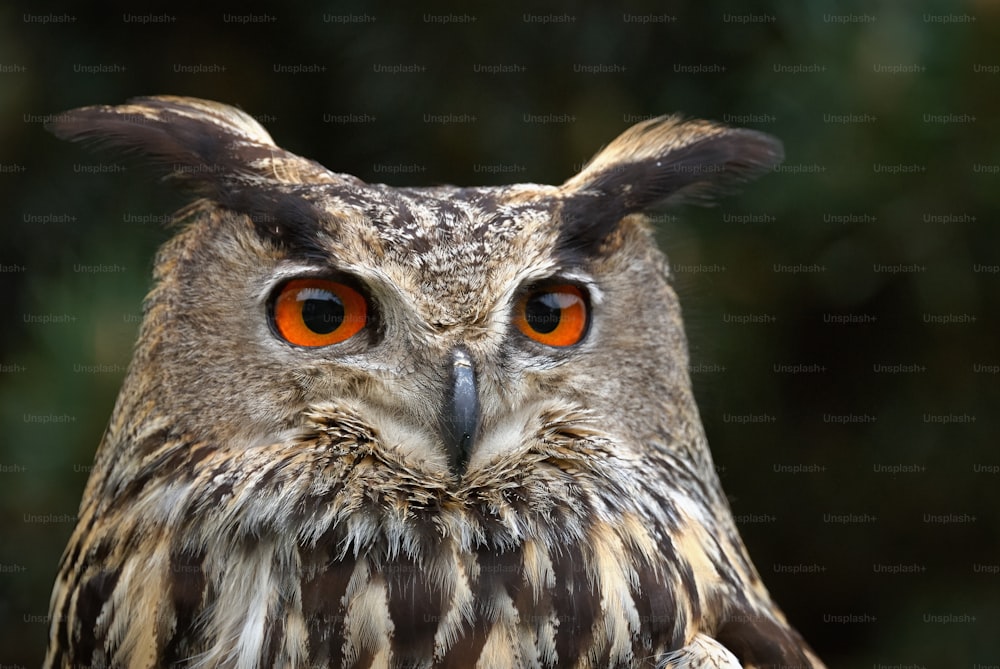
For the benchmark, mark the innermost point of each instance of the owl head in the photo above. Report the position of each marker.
(449, 317)
(479, 381)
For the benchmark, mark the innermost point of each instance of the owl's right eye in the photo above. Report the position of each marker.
(318, 312)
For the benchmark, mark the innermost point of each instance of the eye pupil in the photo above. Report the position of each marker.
(323, 316)
(543, 313)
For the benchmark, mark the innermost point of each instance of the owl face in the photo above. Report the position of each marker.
(351, 404)
(454, 316)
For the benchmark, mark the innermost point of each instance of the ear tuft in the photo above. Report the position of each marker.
(202, 144)
(661, 162)
(217, 151)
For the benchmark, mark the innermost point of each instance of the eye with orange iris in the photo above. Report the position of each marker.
(318, 312)
(555, 315)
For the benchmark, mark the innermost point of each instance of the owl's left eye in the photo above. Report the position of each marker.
(318, 312)
(555, 315)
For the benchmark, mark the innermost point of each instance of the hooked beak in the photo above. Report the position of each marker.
(459, 420)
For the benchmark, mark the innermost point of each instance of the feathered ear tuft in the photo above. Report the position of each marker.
(660, 162)
(217, 151)
(198, 142)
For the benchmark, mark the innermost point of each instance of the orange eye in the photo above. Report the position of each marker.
(318, 312)
(554, 315)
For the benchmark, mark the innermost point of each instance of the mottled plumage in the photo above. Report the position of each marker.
(441, 488)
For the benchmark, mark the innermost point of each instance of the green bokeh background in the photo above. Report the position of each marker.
(792, 70)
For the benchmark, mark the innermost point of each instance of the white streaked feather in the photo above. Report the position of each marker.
(703, 652)
(615, 579)
(245, 602)
(368, 623)
(502, 648)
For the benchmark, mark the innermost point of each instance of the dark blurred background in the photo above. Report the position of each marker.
(843, 311)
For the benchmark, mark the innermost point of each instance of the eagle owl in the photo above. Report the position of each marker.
(369, 426)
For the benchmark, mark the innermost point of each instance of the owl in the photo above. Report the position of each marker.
(370, 426)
